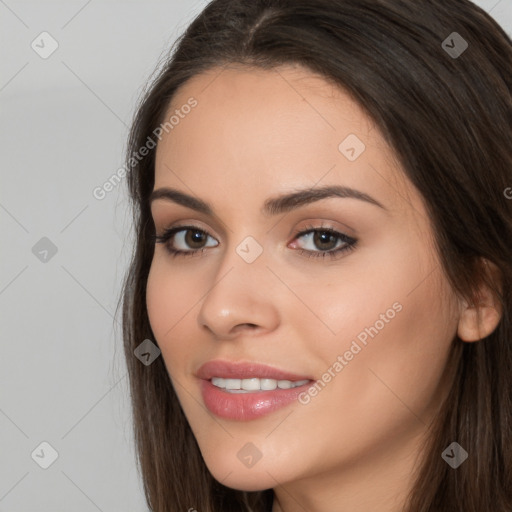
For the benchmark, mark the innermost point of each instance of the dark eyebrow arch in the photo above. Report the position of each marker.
(272, 206)
(288, 202)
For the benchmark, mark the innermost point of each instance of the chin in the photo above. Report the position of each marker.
(236, 476)
(248, 482)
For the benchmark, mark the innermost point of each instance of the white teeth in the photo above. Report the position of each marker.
(268, 384)
(251, 384)
(219, 382)
(254, 384)
(232, 383)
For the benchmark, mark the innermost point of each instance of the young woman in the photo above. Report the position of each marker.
(322, 198)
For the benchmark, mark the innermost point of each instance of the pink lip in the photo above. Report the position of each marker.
(246, 406)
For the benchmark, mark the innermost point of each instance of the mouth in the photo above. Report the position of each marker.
(245, 391)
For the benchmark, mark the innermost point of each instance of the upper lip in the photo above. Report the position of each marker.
(245, 370)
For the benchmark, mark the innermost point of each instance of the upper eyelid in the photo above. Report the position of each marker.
(316, 205)
(345, 229)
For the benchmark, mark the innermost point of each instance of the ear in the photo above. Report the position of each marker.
(477, 321)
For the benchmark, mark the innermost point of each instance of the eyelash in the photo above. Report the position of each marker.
(349, 241)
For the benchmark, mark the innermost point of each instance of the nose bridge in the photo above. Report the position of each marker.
(238, 294)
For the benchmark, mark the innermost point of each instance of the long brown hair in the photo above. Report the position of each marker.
(448, 117)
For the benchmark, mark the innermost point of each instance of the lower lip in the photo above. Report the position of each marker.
(247, 406)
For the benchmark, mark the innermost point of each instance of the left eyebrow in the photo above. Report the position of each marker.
(285, 203)
(273, 206)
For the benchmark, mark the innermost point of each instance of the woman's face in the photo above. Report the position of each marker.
(372, 323)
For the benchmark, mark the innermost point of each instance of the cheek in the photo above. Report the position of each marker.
(159, 303)
(170, 296)
(170, 293)
(394, 287)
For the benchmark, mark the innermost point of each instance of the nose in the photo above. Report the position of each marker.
(239, 299)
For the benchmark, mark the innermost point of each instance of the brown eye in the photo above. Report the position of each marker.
(323, 242)
(184, 240)
(195, 238)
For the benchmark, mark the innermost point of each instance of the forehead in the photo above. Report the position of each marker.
(290, 103)
(253, 130)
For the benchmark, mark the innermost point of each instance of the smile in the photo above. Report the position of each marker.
(254, 384)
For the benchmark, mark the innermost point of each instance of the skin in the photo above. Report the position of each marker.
(257, 134)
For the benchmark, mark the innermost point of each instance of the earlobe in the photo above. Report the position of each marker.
(479, 320)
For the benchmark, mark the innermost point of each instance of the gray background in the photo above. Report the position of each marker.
(63, 127)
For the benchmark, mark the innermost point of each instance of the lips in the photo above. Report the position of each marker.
(247, 406)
